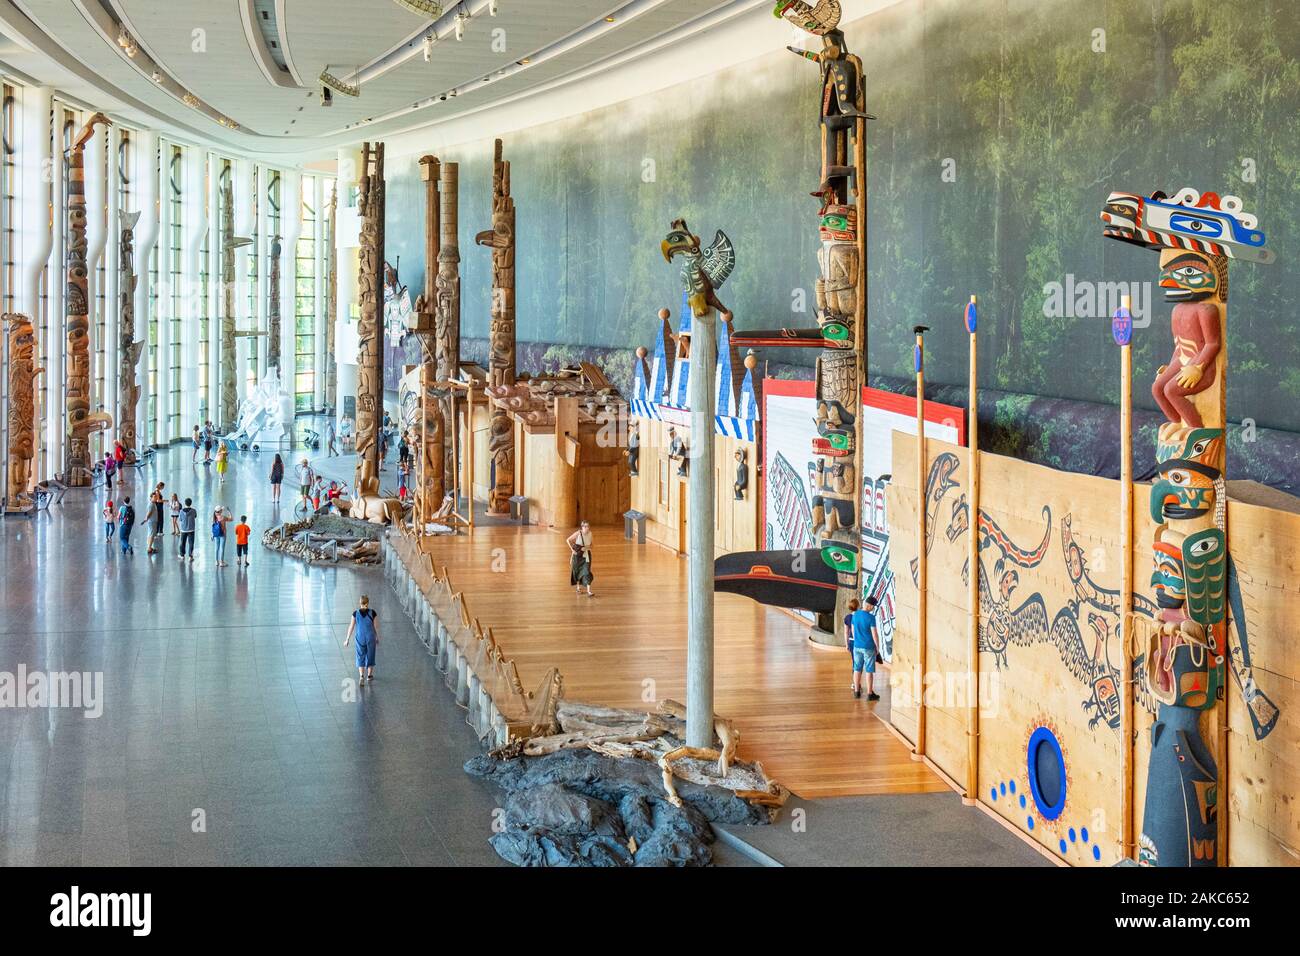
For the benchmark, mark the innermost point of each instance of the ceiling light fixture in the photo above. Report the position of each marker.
(156, 76)
(190, 100)
(462, 18)
(422, 8)
(126, 42)
(492, 8)
(428, 47)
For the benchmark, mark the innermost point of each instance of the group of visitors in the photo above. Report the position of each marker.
(120, 520)
(862, 637)
(205, 439)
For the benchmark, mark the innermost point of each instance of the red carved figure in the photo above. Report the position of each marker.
(1193, 281)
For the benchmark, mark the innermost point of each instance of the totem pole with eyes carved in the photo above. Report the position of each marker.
(501, 341)
(82, 423)
(1186, 647)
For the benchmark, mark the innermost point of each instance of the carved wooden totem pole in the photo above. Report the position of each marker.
(370, 329)
(1187, 646)
(273, 310)
(332, 301)
(431, 437)
(81, 422)
(229, 243)
(22, 409)
(447, 312)
(501, 344)
(128, 348)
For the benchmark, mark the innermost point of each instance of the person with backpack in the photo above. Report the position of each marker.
(866, 640)
(125, 522)
(110, 520)
(188, 517)
(365, 627)
(220, 517)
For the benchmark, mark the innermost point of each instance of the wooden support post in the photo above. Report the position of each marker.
(921, 582)
(1122, 330)
(974, 568)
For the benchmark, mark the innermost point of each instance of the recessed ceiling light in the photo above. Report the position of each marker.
(609, 19)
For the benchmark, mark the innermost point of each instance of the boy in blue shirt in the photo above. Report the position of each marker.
(865, 641)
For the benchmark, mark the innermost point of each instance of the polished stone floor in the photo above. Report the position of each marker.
(229, 704)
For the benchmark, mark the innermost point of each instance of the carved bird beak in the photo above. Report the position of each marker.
(667, 251)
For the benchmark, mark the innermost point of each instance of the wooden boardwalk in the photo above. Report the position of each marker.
(626, 647)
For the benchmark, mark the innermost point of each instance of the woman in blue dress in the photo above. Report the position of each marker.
(365, 628)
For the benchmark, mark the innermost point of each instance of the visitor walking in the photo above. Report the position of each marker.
(188, 517)
(866, 639)
(223, 454)
(365, 627)
(198, 444)
(580, 575)
(403, 478)
(242, 533)
(110, 468)
(110, 520)
(848, 633)
(157, 504)
(277, 476)
(345, 431)
(330, 450)
(306, 479)
(119, 458)
(220, 518)
(207, 442)
(175, 506)
(125, 522)
(403, 450)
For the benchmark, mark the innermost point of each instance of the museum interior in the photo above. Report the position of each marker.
(722, 433)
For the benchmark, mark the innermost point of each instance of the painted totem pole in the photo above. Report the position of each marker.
(370, 329)
(229, 243)
(841, 336)
(81, 422)
(273, 309)
(432, 424)
(128, 348)
(22, 409)
(501, 365)
(332, 300)
(1187, 645)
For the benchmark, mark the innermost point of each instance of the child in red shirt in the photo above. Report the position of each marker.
(242, 532)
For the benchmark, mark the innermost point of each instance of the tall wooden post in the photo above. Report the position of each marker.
(974, 568)
(82, 423)
(432, 423)
(447, 291)
(370, 329)
(128, 349)
(922, 584)
(1122, 331)
(273, 312)
(501, 345)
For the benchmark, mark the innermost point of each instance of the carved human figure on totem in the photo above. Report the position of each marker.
(501, 331)
(22, 399)
(1198, 283)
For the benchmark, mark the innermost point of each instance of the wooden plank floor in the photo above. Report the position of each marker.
(626, 647)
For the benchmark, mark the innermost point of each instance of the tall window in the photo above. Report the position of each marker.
(151, 276)
(205, 357)
(305, 305)
(254, 253)
(176, 246)
(7, 176)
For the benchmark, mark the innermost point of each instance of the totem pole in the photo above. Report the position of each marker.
(370, 329)
(128, 348)
(447, 312)
(432, 438)
(229, 243)
(273, 310)
(22, 409)
(501, 345)
(826, 583)
(1187, 645)
(331, 304)
(81, 422)
(703, 272)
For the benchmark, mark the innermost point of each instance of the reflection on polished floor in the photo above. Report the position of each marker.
(224, 707)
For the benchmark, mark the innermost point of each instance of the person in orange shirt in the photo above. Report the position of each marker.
(242, 531)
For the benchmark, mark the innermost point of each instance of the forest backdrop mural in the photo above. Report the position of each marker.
(1002, 125)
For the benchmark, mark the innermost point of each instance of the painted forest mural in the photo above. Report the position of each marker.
(1002, 125)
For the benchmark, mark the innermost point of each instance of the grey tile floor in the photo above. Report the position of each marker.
(224, 701)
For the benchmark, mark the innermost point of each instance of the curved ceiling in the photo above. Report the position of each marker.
(243, 73)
